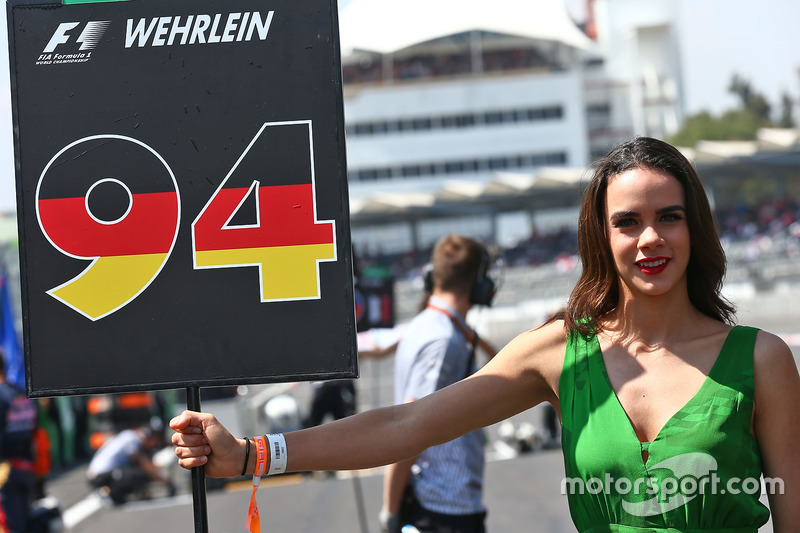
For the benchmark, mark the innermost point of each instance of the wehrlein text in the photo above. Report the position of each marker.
(198, 29)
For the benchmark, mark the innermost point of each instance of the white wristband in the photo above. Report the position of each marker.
(277, 451)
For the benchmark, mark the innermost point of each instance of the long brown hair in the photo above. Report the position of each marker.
(597, 290)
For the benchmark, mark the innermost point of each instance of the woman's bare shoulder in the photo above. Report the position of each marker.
(772, 357)
(549, 335)
(541, 349)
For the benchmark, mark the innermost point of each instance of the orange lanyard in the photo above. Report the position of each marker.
(469, 335)
(253, 522)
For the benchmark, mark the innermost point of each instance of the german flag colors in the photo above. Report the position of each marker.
(128, 235)
(273, 227)
(126, 222)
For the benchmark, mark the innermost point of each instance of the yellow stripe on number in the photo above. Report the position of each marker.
(287, 272)
(109, 283)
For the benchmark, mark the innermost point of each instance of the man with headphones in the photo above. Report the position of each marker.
(441, 490)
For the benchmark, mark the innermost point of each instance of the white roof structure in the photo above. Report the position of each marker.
(768, 140)
(776, 151)
(548, 187)
(386, 26)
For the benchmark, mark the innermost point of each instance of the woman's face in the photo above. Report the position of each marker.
(647, 231)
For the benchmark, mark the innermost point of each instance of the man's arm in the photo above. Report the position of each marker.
(395, 480)
(152, 470)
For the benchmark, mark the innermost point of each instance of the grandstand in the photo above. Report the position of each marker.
(754, 188)
(454, 108)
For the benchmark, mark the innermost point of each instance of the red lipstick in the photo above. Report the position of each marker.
(653, 265)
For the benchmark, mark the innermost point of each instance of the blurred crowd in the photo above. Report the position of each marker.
(436, 65)
(769, 227)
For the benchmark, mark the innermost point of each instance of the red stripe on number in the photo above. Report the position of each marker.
(149, 227)
(286, 219)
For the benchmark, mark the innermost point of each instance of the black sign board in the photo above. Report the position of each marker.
(181, 192)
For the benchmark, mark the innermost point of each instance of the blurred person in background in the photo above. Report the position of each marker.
(18, 417)
(442, 488)
(123, 465)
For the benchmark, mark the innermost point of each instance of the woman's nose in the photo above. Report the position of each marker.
(649, 237)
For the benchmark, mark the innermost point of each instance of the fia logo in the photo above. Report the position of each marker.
(68, 32)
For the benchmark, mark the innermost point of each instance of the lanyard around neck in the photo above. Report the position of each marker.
(469, 334)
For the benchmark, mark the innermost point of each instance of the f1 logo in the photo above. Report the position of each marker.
(88, 38)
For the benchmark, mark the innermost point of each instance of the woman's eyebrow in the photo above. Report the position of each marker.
(660, 211)
(669, 209)
(624, 214)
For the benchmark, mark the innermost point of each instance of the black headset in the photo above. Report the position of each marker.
(484, 288)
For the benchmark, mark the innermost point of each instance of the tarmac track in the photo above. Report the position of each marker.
(523, 495)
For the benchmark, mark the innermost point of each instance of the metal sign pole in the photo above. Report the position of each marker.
(362, 514)
(198, 473)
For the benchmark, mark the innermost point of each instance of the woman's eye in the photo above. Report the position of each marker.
(624, 222)
(671, 217)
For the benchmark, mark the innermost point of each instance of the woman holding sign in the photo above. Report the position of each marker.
(670, 413)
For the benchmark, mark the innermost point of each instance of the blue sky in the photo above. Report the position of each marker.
(758, 40)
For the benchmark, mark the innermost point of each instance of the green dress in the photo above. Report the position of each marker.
(702, 471)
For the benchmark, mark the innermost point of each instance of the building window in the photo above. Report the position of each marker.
(461, 166)
(462, 120)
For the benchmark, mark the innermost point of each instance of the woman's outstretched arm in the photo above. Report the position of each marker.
(523, 374)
